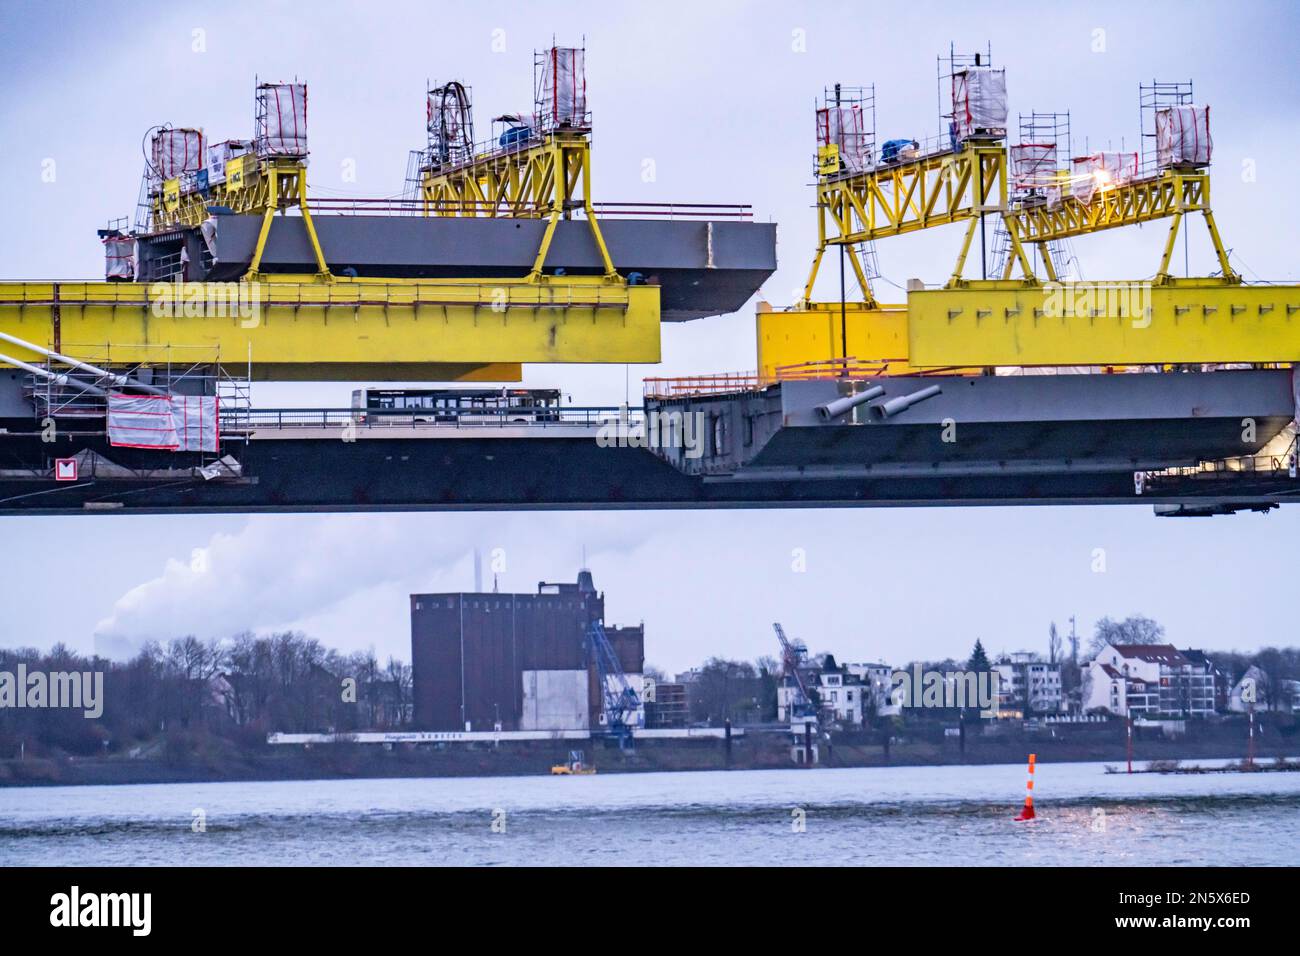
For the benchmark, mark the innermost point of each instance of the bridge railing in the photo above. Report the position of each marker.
(541, 417)
(351, 206)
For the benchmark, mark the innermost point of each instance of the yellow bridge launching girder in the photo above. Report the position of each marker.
(252, 187)
(546, 178)
(993, 323)
(1118, 323)
(295, 327)
(937, 189)
(1170, 195)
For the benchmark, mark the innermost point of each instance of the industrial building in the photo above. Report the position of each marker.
(528, 662)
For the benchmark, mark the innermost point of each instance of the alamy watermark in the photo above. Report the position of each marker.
(927, 688)
(82, 690)
(1099, 300)
(235, 300)
(671, 429)
(129, 910)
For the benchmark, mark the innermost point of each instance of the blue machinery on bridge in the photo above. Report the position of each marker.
(1023, 385)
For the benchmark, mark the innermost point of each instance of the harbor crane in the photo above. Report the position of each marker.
(621, 702)
(792, 656)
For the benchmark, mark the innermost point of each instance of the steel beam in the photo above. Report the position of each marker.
(328, 329)
(1105, 323)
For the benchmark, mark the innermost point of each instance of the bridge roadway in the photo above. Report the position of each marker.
(321, 461)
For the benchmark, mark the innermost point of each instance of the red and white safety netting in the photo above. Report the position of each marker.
(176, 151)
(563, 94)
(284, 106)
(843, 126)
(1093, 174)
(163, 422)
(119, 257)
(1033, 165)
(979, 102)
(1183, 136)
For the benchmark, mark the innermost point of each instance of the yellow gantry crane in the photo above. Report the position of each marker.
(965, 176)
(534, 167)
(259, 177)
(331, 326)
(904, 196)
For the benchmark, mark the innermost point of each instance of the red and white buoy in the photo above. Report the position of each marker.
(1027, 813)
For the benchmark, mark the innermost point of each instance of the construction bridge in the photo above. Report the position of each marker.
(1024, 385)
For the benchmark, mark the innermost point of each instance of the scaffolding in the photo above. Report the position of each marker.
(60, 389)
(846, 144)
(846, 129)
(1040, 170)
(947, 69)
(1152, 98)
(560, 89)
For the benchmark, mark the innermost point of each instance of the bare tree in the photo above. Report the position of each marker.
(1135, 629)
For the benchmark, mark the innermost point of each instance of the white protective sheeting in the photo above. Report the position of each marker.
(220, 153)
(176, 152)
(167, 423)
(208, 230)
(196, 421)
(1033, 166)
(979, 102)
(843, 126)
(119, 258)
(1092, 174)
(1183, 136)
(564, 88)
(284, 106)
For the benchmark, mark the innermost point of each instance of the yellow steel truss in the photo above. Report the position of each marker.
(547, 178)
(252, 187)
(1170, 195)
(891, 200)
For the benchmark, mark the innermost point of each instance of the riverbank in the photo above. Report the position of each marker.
(200, 758)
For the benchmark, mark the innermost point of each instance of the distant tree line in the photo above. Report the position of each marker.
(241, 689)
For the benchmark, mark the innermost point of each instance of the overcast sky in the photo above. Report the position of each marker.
(719, 97)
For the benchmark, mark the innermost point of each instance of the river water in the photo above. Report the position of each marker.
(873, 816)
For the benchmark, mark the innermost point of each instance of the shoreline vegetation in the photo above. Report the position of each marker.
(191, 711)
(200, 759)
(1244, 765)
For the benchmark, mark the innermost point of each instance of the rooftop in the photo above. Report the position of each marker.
(1151, 653)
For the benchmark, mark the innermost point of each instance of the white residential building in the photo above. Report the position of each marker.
(877, 686)
(1158, 681)
(1028, 687)
(843, 696)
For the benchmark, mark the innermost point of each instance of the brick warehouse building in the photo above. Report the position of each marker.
(521, 660)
